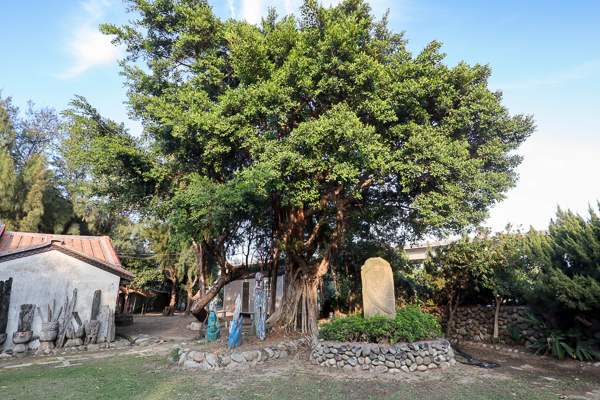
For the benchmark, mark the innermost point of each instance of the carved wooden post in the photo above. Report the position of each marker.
(5, 288)
(24, 332)
(26, 317)
(92, 332)
(68, 313)
(95, 305)
(103, 328)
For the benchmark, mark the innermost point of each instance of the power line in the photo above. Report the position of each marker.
(148, 258)
(150, 255)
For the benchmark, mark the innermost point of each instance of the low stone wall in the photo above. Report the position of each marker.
(418, 356)
(477, 323)
(189, 358)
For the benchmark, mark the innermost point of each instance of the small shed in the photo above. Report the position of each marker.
(244, 286)
(46, 268)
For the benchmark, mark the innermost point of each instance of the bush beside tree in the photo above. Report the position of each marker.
(410, 324)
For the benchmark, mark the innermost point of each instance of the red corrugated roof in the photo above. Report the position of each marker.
(95, 248)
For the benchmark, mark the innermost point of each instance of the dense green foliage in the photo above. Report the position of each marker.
(559, 342)
(568, 258)
(32, 197)
(502, 264)
(410, 324)
(42, 192)
(300, 124)
(496, 265)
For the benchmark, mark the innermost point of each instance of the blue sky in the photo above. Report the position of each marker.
(544, 55)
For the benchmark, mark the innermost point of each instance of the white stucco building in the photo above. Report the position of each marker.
(244, 286)
(46, 268)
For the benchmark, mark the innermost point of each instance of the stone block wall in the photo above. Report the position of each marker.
(421, 356)
(477, 323)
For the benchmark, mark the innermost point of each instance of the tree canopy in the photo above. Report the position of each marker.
(568, 258)
(303, 124)
(496, 265)
(32, 195)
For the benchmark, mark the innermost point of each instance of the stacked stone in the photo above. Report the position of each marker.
(245, 360)
(421, 356)
(477, 323)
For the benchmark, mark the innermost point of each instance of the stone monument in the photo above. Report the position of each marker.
(378, 288)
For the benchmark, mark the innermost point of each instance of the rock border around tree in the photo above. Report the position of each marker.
(370, 357)
(204, 361)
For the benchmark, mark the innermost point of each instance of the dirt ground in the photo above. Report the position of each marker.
(175, 329)
(521, 375)
(159, 326)
(145, 373)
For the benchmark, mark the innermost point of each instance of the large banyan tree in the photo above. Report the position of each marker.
(297, 127)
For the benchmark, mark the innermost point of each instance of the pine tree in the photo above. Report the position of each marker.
(32, 199)
(568, 258)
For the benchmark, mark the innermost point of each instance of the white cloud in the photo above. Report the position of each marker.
(90, 48)
(253, 10)
(288, 7)
(580, 72)
(231, 8)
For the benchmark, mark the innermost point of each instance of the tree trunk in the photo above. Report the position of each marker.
(201, 270)
(188, 306)
(190, 295)
(497, 314)
(223, 280)
(173, 296)
(451, 310)
(200, 277)
(300, 292)
(124, 308)
(273, 281)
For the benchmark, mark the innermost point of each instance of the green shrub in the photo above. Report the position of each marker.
(514, 334)
(409, 325)
(175, 354)
(560, 342)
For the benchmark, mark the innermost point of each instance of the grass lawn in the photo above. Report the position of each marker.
(131, 377)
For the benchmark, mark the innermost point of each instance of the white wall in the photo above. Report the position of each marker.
(232, 289)
(40, 278)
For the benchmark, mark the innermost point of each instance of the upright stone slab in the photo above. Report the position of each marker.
(378, 288)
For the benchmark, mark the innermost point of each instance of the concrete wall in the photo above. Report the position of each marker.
(41, 278)
(232, 289)
(418, 252)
